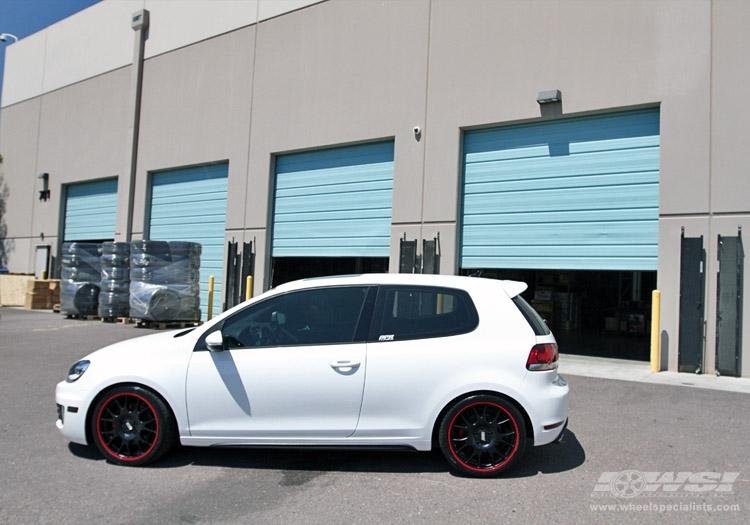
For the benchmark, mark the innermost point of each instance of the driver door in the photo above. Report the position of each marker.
(293, 367)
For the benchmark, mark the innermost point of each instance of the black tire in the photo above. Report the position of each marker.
(107, 312)
(131, 425)
(153, 247)
(81, 248)
(81, 261)
(117, 248)
(482, 436)
(149, 275)
(149, 260)
(121, 299)
(115, 285)
(79, 273)
(110, 260)
(86, 299)
(115, 274)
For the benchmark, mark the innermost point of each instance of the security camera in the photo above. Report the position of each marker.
(417, 130)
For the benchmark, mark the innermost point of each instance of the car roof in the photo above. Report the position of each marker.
(512, 288)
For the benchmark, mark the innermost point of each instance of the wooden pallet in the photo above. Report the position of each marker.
(119, 320)
(82, 317)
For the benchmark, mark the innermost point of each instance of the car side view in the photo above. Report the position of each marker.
(407, 361)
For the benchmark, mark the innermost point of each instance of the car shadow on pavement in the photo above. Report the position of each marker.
(302, 465)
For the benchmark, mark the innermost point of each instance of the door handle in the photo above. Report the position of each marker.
(345, 367)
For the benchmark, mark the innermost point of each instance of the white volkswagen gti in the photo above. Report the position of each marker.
(396, 360)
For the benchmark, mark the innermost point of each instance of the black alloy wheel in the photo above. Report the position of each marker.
(482, 436)
(132, 426)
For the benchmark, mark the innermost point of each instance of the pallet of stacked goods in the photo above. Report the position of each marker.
(164, 281)
(80, 279)
(114, 294)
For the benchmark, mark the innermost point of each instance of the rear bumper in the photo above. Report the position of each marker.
(548, 411)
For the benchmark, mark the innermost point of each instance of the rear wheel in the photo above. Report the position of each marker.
(132, 426)
(482, 436)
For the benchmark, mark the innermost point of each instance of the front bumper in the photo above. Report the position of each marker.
(71, 413)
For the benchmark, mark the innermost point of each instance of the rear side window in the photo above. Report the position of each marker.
(531, 315)
(422, 312)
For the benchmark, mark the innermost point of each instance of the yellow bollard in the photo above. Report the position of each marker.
(655, 324)
(249, 287)
(210, 312)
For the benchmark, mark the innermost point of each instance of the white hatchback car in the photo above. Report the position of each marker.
(394, 360)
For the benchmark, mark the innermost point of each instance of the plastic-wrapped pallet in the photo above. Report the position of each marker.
(80, 278)
(114, 295)
(164, 281)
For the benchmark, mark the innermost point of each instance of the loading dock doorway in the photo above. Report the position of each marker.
(596, 313)
(287, 269)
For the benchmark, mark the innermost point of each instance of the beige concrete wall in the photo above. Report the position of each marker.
(730, 111)
(196, 109)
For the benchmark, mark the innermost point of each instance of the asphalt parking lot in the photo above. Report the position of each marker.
(635, 452)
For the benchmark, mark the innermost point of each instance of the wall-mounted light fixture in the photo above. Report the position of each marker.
(5, 36)
(548, 97)
(44, 192)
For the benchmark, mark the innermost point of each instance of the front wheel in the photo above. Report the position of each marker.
(482, 435)
(132, 426)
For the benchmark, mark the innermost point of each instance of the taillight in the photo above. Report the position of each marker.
(542, 357)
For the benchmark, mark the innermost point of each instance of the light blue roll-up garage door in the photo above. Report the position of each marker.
(579, 193)
(334, 203)
(90, 211)
(190, 204)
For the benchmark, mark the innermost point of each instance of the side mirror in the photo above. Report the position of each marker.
(215, 341)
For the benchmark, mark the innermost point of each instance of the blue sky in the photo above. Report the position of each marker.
(25, 17)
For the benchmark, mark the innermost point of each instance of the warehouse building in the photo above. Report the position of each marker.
(596, 150)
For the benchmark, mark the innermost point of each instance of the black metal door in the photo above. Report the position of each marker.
(729, 306)
(431, 255)
(408, 256)
(692, 301)
(239, 266)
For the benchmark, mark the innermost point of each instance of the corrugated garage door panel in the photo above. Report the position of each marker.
(190, 204)
(91, 211)
(334, 203)
(580, 193)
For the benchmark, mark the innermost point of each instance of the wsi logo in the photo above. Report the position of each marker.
(632, 483)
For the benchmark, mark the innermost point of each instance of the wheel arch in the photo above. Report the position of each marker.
(104, 391)
(458, 399)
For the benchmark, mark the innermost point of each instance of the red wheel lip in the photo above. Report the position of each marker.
(120, 457)
(499, 466)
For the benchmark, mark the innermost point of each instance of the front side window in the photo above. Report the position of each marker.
(421, 312)
(315, 316)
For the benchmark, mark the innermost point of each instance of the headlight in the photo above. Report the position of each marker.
(77, 370)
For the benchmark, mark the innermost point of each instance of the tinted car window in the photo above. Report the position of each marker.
(421, 312)
(534, 319)
(316, 316)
